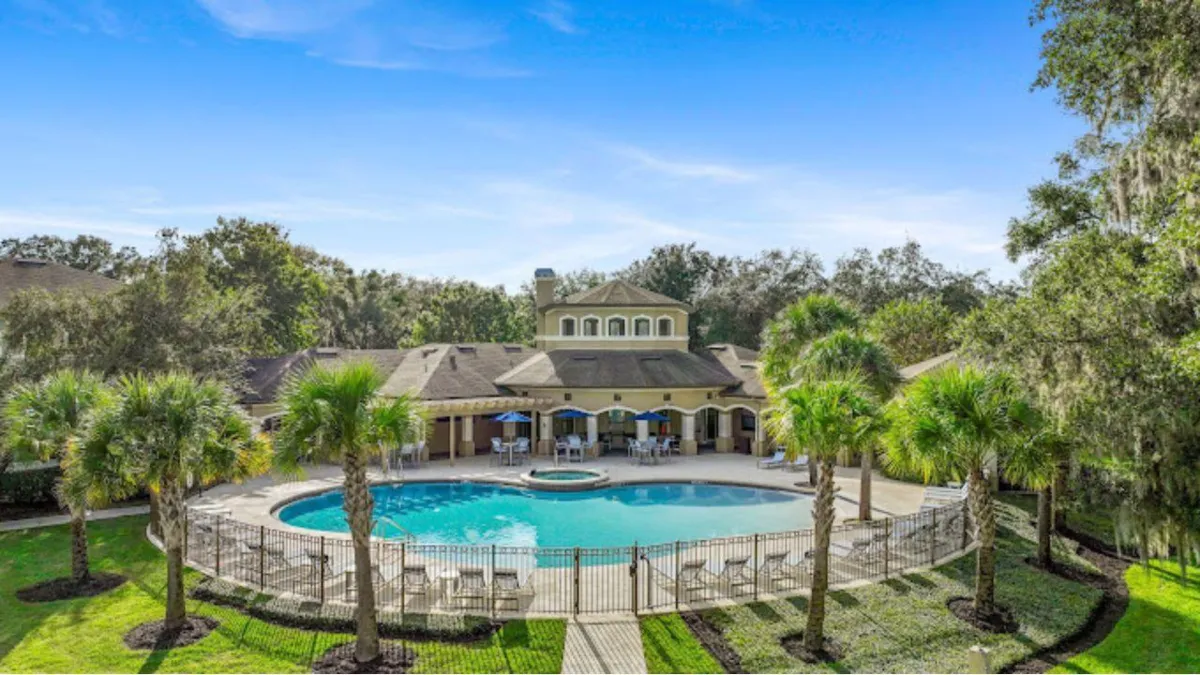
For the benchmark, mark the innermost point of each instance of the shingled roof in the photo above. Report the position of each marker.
(618, 369)
(620, 293)
(18, 274)
(263, 377)
(741, 363)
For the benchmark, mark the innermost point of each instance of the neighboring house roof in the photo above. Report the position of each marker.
(742, 363)
(18, 274)
(928, 365)
(443, 371)
(618, 369)
(433, 372)
(619, 293)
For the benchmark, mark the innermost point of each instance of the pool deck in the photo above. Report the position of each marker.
(254, 502)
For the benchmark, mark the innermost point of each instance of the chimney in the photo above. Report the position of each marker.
(543, 286)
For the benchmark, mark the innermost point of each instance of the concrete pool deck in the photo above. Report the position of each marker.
(255, 501)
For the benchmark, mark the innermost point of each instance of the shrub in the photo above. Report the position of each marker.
(35, 486)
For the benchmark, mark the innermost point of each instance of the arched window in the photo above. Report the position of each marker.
(591, 327)
(641, 327)
(666, 326)
(567, 326)
(616, 326)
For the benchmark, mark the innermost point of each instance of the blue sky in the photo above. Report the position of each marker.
(482, 138)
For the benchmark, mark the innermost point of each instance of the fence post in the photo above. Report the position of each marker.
(887, 547)
(493, 580)
(403, 556)
(633, 573)
(933, 538)
(262, 557)
(755, 567)
(575, 584)
(321, 566)
(217, 536)
(676, 575)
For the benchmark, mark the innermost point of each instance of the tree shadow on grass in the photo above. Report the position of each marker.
(919, 580)
(844, 598)
(898, 586)
(765, 612)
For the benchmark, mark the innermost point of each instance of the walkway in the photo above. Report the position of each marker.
(49, 521)
(603, 645)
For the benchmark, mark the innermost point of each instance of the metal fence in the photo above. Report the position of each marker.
(503, 580)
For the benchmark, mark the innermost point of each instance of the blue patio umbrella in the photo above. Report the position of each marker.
(651, 416)
(572, 414)
(511, 416)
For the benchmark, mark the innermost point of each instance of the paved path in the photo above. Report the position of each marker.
(48, 521)
(603, 645)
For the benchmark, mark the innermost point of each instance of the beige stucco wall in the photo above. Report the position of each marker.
(549, 328)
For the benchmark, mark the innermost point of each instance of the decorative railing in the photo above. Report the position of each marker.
(504, 580)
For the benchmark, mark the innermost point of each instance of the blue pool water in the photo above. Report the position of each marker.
(486, 514)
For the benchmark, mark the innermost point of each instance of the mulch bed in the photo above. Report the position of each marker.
(1106, 615)
(65, 588)
(1000, 620)
(393, 658)
(151, 635)
(714, 641)
(829, 652)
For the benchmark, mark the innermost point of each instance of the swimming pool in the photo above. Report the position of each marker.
(482, 514)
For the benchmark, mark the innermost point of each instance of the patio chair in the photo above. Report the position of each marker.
(691, 577)
(574, 448)
(940, 496)
(644, 453)
(798, 464)
(470, 586)
(509, 586)
(666, 448)
(857, 550)
(521, 451)
(774, 461)
(734, 575)
(497, 450)
(776, 570)
(410, 580)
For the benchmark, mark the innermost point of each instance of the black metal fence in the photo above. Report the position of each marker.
(503, 580)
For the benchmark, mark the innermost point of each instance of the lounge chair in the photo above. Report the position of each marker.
(691, 577)
(801, 462)
(471, 586)
(734, 575)
(774, 461)
(509, 587)
(940, 496)
(857, 550)
(775, 570)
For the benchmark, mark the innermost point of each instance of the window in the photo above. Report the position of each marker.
(567, 327)
(591, 327)
(616, 326)
(641, 327)
(666, 327)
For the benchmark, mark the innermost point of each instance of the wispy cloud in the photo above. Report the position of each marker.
(558, 15)
(370, 34)
(86, 16)
(722, 173)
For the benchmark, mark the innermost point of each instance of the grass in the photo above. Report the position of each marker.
(670, 647)
(1160, 632)
(85, 635)
(903, 625)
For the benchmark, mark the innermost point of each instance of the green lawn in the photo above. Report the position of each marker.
(901, 625)
(85, 635)
(670, 647)
(1160, 632)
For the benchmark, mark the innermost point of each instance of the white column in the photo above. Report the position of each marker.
(468, 428)
(724, 425)
(689, 428)
(453, 442)
(759, 435)
(643, 430)
(593, 429)
(547, 434)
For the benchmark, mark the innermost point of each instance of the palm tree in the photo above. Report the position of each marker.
(171, 430)
(952, 425)
(339, 414)
(46, 421)
(844, 351)
(824, 418)
(787, 338)
(1035, 462)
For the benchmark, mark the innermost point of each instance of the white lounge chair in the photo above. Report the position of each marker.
(800, 463)
(509, 587)
(774, 461)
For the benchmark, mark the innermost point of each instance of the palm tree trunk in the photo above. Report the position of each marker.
(79, 546)
(1060, 497)
(814, 631)
(1045, 517)
(812, 472)
(985, 556)
(172, 520)
(864, 485)
(358, 505)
